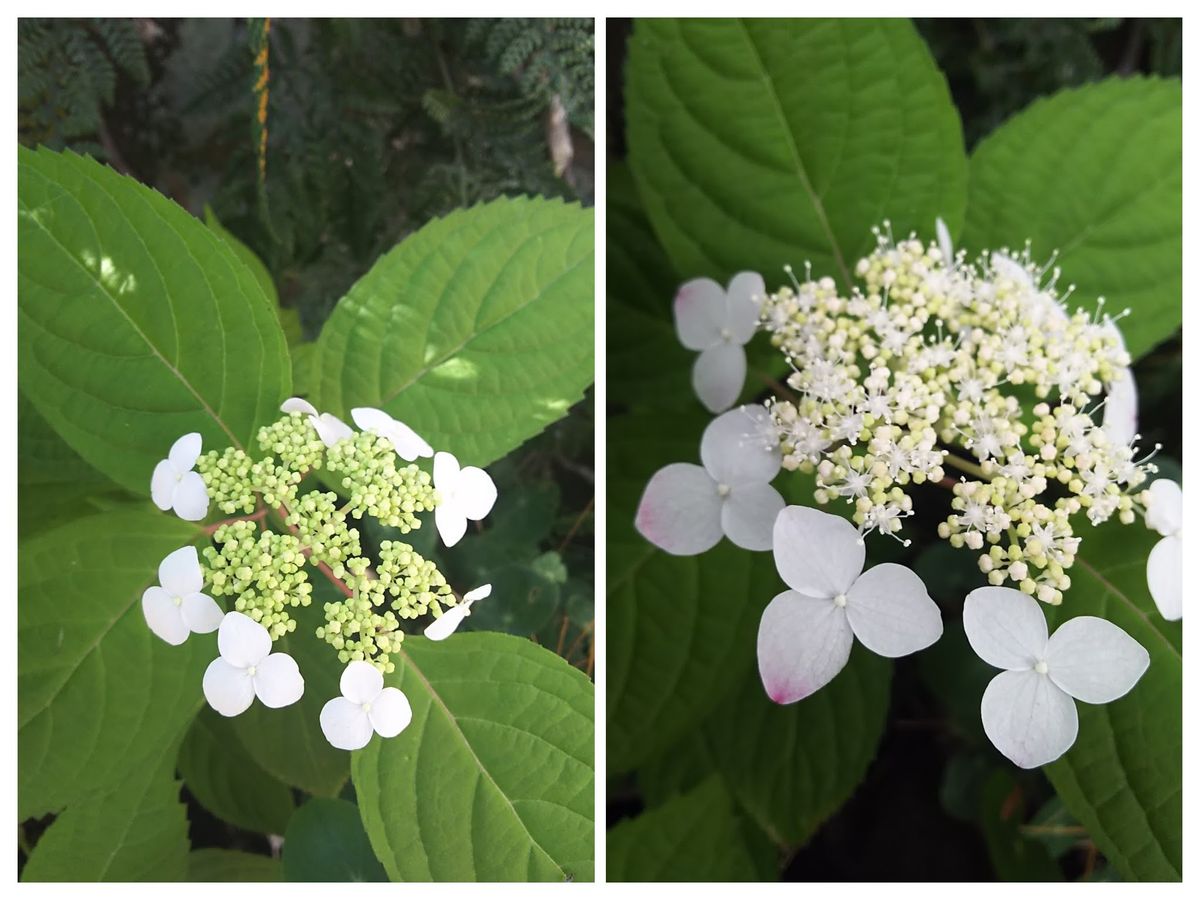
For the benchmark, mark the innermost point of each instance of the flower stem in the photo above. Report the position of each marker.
(964, 466)
(212, 529)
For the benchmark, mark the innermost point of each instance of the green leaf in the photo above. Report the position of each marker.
(693, 837)
(759, 143)
(137, 323)
(227, 781)
(213, 864)
(98, 695)
(326, 842)
(1123, 778)
(1014, 856)
(493, 780)
(476, 330)
(1095, 173)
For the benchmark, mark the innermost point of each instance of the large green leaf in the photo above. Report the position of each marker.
(137, 323)
(214, 864)
(476, 330)
(493, 780)
(326, 842)
(759, 143)
(1095, 173)
(98, 694)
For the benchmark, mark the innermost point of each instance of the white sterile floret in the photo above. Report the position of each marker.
(719, 323)
(366, 707)
(330, 429)
(805, 635)
(175, 607)
(464, 493)
(175, 486)
(1164, 566)
(447, 623)
(1028, 710)
(686, 508)
(247, 669)
(409, 445)
(945, 244)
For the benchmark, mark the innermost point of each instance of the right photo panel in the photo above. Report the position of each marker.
(894, 450)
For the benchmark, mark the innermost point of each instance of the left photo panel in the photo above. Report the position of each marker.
(305, 450)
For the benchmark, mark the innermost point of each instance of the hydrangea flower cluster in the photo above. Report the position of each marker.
(258, 561)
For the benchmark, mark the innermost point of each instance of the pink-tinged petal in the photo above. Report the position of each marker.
(228, 689)
(1093, 660)
(476, 492)
(300, 405)
(162, 485)
(817, 553)
(451, 522)
(742, 303)
(447, 623)
(242, 641)
(345, 724)
(191, 498)
(1164, 512)
(185, 452)
(718, 376)
(330, 429)
(361, 682)
(803, 642)
(1005, 627)
(163, 616)
(680, 510)
(699, 309)
(180, 574)
(741, 446)
(201, 613)
(390, 713)
(891, 612)
(1121, 408)
(1164, 577)
(479, 593)
(945, 245)
(1029, 718)
(748, 515)
(277, 681)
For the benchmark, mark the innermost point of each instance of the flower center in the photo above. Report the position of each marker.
(1041, 668)
(839, 600)
(723, 490)
(178, 601)
(726, 334)
(250, 671)
(178, 477)
(366, 707)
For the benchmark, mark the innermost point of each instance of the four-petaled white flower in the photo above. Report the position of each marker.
(805, 635)
(1164, 566)
(330, 429)
(1028, 711)
(686, 508)
(365, 707)
(719, 323)
(409, 445)
(175, 486)
(447, 623)
(175, 607)
(463, 493)
(247, 668)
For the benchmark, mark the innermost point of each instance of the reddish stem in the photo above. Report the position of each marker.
(212, 529)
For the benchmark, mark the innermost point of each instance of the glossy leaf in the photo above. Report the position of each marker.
(326, 842)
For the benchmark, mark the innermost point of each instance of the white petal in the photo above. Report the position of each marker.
(163, 616)
(742, 303)
(803, 642)
(242, 641)
(361, 682)
(476, 492)
(345, 724)
(1093, 660)
(228, 689)
(944, 243)
(1164, 577)
(718, 376)
(277, 681)
(201, 613)
(180, 574)
(330, 429)
(480, 593)
(1006, 628)
(1007, 267)
(191, 498)
(297, 404)
(367, 418)
(748, 515)
(817, 553)
(447, 623)
(451, 522)
(741, 446)
(891, 612)
(699, 307)
(162, 484)
(1121, 408)
(1028, 718)
(390, 712)
(185, 452)
(680, 510)
(1164, 513)
(409, 445)
(445, 471)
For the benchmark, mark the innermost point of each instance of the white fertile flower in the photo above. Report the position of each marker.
(409, 445)
(365, 707)
(719, 323)
(1164, 566)
(447, 623)
(247, 668)
(463, 493)
(686, 508)
(1028, 711)
(175, 486)
(175, 607)
(805, 635)
(330, 429)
